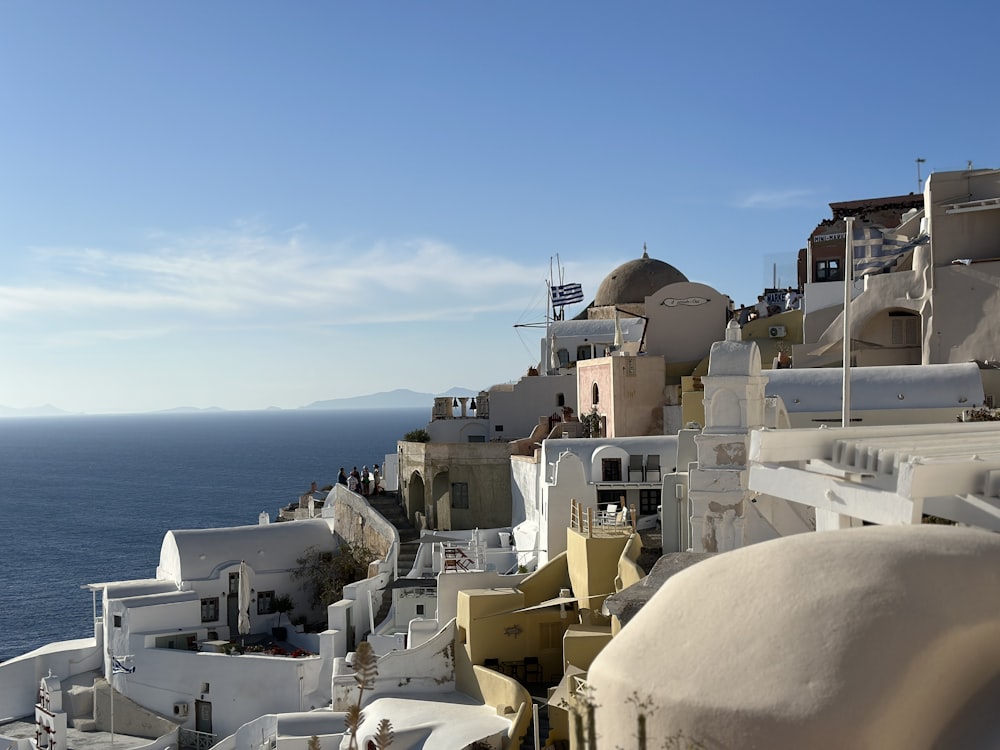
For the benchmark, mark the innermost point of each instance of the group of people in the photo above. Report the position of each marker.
(764, 308)
(362, 482)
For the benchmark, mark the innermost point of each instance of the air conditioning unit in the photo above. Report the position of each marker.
(776, 332)
(180, 709)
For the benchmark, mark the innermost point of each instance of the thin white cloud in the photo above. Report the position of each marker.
(246, 277)
(775, 199)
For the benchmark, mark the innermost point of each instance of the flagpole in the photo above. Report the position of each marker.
(845, 417)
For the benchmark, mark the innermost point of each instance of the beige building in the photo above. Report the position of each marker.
(938, 302)
(455, 485)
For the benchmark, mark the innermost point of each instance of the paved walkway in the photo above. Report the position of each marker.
(75, 739)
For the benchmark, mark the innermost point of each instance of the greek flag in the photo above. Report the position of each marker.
(875, 250)
(566, 294)
(118, 668)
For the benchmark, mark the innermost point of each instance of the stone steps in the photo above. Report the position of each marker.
(388, 506)
(528, 743)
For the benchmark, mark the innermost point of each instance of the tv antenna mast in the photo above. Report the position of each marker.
(920, 188)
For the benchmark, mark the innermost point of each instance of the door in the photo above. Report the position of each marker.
(203, 716)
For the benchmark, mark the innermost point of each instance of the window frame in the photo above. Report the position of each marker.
(460, 495)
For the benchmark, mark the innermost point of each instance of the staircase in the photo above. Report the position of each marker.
(388, 505)
(528, 743)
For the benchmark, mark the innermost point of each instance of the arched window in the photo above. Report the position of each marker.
(595, 394)
(560, 399)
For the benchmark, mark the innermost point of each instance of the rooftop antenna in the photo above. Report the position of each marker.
(920, 188)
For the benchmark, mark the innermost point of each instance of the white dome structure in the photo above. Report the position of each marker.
(878, 637)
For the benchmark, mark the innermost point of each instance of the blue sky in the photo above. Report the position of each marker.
(248, 204)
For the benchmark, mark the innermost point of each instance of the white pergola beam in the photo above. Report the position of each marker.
(834, 495)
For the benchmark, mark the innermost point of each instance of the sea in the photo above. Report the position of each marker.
(87, 499)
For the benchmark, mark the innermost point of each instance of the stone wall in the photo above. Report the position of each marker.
(359, 523)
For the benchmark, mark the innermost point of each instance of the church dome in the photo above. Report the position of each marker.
(635, 280)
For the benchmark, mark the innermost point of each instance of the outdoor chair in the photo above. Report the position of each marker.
(635, 469)
(532, 669)
(653, 467)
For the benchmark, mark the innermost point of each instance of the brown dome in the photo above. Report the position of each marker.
(634, 281)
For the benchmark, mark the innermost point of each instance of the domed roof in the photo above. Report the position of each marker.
(635, 280)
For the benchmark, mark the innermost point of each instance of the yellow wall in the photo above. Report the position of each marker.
(545, 582)
(582, 644)
(593, 566)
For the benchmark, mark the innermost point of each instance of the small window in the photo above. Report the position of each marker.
(210, 609)
(582, 352)
(563, 355)
(560, 399)
(595, 394)
(460, 495)
(477, 438)
(829, 270)
(265, 602)
(611, 469)
(118, 621)
(498, 428)
(420, 609)
(648, 500)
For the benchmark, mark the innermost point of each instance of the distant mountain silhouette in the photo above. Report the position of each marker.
(401, 398)
(48, 410)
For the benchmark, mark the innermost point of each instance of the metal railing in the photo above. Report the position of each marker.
(189, 739)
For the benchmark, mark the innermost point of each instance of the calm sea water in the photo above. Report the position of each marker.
(88, 499)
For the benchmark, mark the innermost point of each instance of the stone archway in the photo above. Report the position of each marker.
(415, 497)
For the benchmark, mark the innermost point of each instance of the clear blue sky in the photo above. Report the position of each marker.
(248, 204)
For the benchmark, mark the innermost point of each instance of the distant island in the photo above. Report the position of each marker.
(401, 398)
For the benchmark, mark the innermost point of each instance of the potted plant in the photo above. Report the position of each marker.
(283, 606)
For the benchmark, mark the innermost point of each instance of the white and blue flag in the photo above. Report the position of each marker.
(566, 294)
(118, 668)
(876, 251)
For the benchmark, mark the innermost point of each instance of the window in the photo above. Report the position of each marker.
(829, 270)
(265, 602)
(560, 399)
(648, 500)
(550, 633)
(498, 428)
(477, 438)
(234, 583)
(459, 495)
(595, 394)
(563, 355)
(420, 609)
(611, 469)
(210, 609)
(118, 621)
(610, 497)
(582, 352)
(905, 329)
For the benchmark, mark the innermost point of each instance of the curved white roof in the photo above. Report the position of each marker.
(859, 638)
(896, 387)
(198, 554)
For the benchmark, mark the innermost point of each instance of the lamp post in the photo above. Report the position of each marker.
(845, 416)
